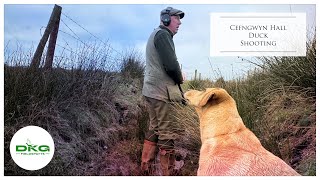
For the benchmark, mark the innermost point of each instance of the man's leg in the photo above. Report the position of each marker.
(167, 134)
(150, 142)
(167, 157)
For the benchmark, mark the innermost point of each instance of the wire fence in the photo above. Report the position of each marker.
(92, 52)
(72, 49)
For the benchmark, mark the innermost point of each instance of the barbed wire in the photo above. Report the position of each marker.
(105, 53)
(79, 54)
(109, 46)
(79, 57)
(67, 43)
(77, 37)
(64, 48)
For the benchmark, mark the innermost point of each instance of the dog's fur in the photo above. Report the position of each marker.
(228, 147)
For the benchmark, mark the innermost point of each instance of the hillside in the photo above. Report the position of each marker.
(97, 118)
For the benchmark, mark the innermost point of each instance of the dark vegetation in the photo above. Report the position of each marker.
(97, 117)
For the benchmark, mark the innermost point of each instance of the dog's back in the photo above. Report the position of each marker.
(228, 147)
(240, 154)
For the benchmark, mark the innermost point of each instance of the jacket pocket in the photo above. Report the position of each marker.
(174, 93)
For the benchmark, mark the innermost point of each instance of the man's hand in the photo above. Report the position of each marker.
(184, 76)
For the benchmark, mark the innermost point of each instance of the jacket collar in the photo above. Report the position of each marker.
(164, 27)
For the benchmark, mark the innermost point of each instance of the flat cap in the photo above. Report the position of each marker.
(172, 12)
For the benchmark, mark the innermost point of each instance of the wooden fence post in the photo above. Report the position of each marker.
(53, 39)
(37, 55)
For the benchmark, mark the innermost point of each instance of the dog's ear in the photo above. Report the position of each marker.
(201, 98)
(209, 94)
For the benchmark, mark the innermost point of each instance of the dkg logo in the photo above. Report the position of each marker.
(23, 148)
(31, 148)
(32, 155)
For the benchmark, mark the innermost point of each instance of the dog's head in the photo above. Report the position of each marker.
(216, 109)
(210, 95)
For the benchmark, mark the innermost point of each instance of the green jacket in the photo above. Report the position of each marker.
(163, 72)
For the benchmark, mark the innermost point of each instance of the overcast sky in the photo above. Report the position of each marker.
(129, 26)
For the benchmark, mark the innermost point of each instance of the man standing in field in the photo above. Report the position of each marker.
(161, 87)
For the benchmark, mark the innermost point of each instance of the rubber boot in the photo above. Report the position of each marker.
(148, 156)
(167, 159)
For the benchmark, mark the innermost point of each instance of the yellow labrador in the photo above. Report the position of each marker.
(228, 147)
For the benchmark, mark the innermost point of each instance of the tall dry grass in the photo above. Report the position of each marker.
(76, 102)
(277, 102)
(90, 101)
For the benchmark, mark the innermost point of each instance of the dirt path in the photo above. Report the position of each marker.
(124, 158)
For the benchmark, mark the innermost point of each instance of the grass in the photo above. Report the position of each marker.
(277, 102)
(96, 114)
(78, 106)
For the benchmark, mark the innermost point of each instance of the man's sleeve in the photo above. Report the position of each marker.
(165, 47)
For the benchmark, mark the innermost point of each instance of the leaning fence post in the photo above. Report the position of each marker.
(53, 39)
(37, 55)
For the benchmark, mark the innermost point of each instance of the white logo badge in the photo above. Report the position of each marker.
(32, 148)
